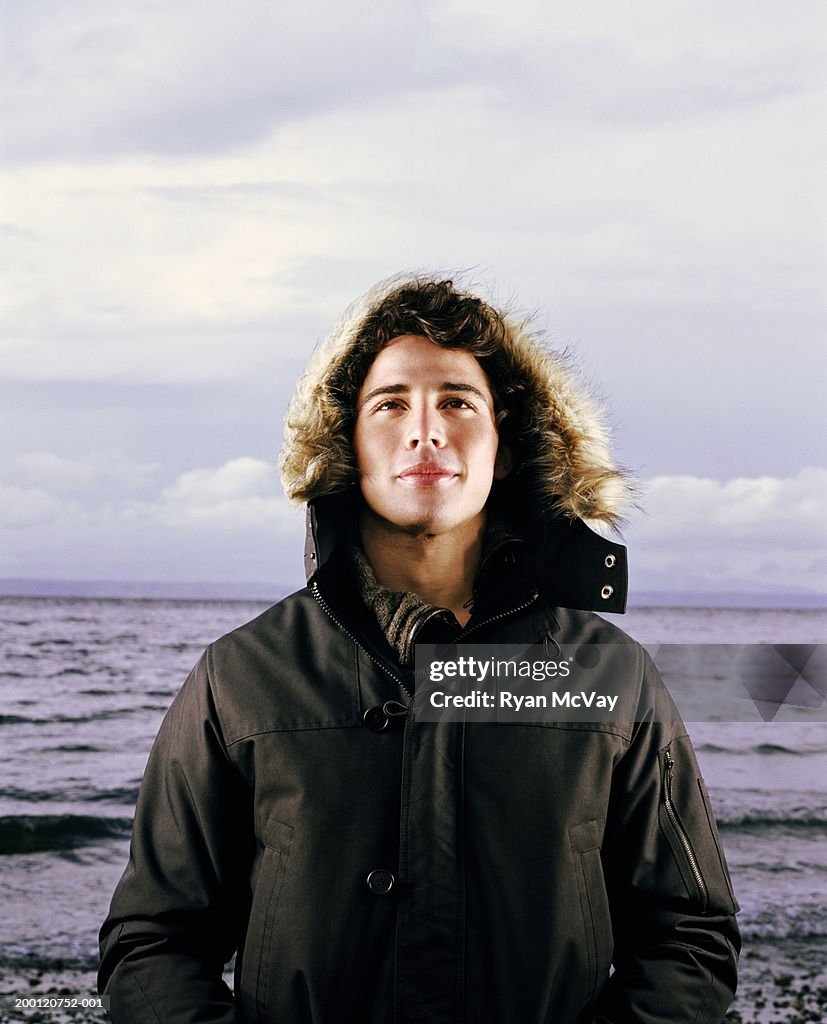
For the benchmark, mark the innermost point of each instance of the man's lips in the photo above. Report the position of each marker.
(426, 473)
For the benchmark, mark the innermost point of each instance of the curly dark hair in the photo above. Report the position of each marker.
(446, 316)
(553, 429)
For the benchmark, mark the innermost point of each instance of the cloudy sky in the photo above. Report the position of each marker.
(193, 190)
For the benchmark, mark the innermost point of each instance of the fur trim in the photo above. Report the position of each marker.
(564, 464)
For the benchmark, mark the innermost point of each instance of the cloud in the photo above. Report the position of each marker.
(95, 79)
(653, 62)
(27, 508)
(102, 475)
(199, 189)
(231, 522)
(237, 479)
(103, 79)
(226, 523)
(243, 491)
(595, 157)
(762, 533)
(739, 509)
(237, 491)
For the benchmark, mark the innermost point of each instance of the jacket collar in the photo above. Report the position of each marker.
(574, 566)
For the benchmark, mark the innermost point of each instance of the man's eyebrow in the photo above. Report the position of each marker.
(386, 389)
(449, 386)
(401, 389)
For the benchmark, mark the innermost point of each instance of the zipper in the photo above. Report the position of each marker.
(680, 832)
(501, 615)
(314, 589)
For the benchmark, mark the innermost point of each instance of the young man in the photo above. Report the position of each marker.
(370, 867)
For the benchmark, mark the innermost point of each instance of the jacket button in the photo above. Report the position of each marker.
(380, 882)
(375, 719)
(607, 592)
(610, 561)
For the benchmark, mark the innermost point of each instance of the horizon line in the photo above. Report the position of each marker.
(11, 587)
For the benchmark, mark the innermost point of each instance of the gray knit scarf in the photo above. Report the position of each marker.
(400, 615)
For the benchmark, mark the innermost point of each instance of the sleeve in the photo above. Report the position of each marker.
(673, 909)
(177, 912)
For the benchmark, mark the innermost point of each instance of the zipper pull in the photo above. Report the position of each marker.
(668, 765)
(394, 709)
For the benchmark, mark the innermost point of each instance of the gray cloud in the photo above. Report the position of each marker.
(93, 78)
(231, 521)
(226, 523)
(759, 534)
(208, 186)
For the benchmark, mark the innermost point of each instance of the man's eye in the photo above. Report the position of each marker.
(458, 403)
(389, 403)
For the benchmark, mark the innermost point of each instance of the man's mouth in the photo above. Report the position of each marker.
(426, 473)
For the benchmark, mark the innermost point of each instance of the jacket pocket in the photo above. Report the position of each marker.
(275, 839)
(686, 820)
(677, 835)
(585, 842)
(722, 864)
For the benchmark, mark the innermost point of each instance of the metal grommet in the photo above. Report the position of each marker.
(380, 882)
(607, 592)
(312, 556)
(610, 561)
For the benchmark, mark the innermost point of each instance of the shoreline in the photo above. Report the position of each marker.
(778, 984)
(19, 981)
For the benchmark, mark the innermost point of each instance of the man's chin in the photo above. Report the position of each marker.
(421, 526)
(426, 526)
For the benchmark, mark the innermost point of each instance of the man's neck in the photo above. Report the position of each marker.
(439, 569)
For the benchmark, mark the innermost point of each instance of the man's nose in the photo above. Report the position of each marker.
(426, 429)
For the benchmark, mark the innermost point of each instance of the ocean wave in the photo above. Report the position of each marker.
(76, 748)
(765, 749)
(801, 922)
(800, 868)
(30, 833)
(789, 817)
(92, 716)
(127, 795)
(77, 957)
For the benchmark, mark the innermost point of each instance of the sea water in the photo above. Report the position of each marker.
(84, 684)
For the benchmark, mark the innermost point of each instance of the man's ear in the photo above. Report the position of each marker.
(502, 463)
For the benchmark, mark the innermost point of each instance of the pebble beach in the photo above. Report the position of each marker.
(773, 989)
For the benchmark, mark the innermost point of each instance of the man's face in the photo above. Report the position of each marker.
(426, 440)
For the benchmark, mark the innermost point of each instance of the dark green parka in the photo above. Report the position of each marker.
(371, 868)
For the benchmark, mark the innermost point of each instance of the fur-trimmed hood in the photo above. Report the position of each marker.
(562, 459)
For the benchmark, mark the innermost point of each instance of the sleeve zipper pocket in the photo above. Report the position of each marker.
(677, 830)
